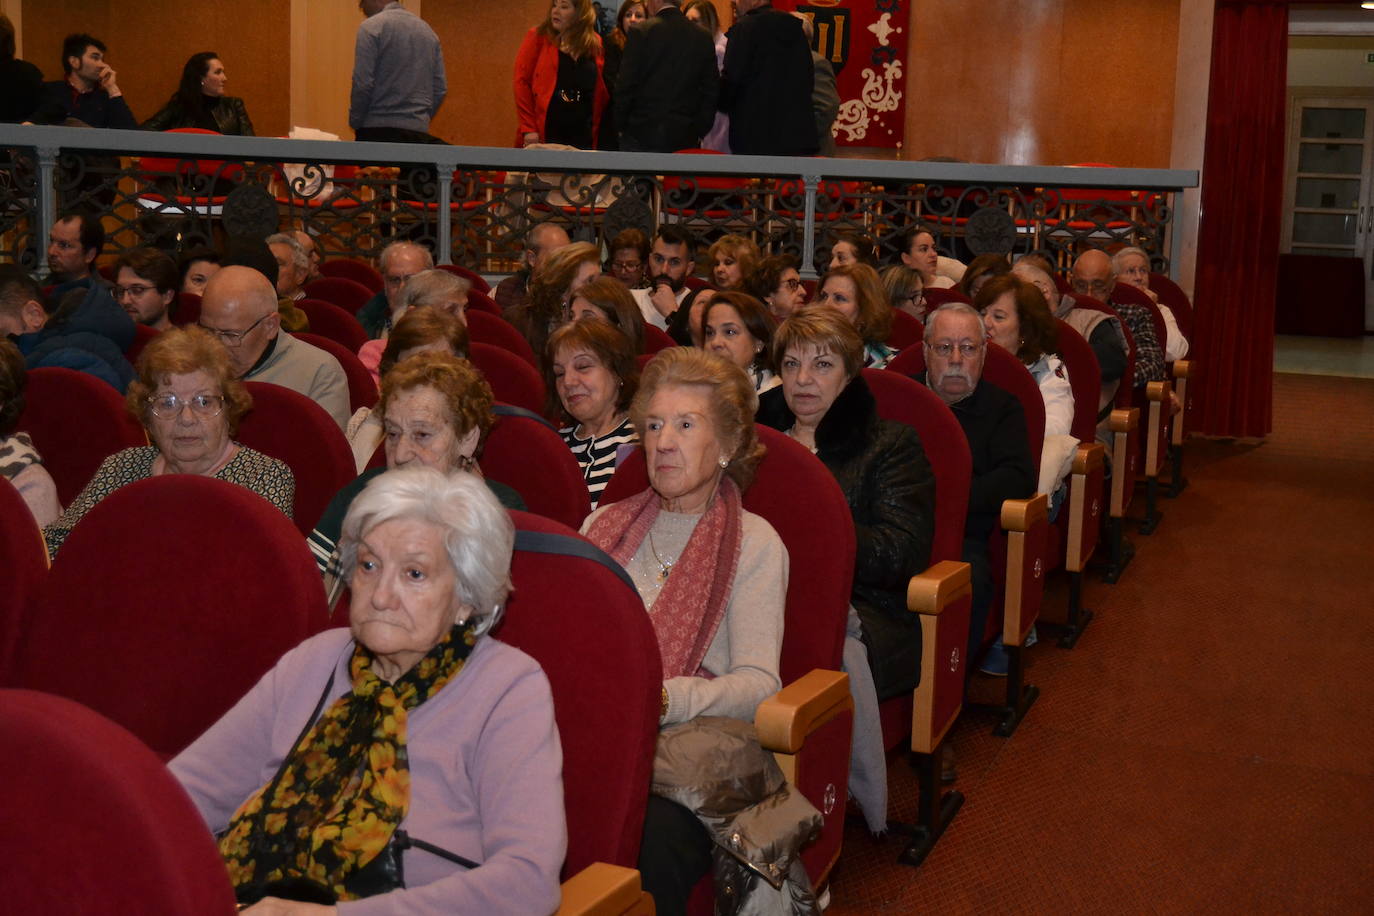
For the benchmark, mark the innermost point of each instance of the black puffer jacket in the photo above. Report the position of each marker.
(882, 469)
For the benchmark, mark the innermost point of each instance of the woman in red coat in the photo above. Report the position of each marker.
(559, 91)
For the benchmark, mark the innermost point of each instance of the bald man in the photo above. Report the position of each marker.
(239, 307)
(1094, 275)
(542, 241)
(399, 262)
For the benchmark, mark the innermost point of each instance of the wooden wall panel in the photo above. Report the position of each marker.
(1044, 82)
(150, 41)
(480, 41)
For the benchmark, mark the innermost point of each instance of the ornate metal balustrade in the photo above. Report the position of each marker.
(473, 205)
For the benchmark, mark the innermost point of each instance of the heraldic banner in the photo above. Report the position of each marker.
(866, 44)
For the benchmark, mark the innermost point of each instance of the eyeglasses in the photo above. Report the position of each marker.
(233, 338)
(792, 284)
(1097, 286)
(627, 265)
(135, 290)
(915, 298)
(945, 349)
(168, 406)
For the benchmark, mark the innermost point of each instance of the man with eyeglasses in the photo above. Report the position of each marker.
(399, 262)
(995, 426)
(240, 308)
(1094, 275)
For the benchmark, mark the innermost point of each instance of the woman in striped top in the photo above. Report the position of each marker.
(591, 375)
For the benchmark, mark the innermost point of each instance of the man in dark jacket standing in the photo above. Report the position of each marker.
(665, 96)
(766, 83)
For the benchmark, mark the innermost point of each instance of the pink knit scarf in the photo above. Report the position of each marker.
(691, 605)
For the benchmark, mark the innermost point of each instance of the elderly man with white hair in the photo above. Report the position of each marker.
(1132, 266)
(995, 426)
(239, 307)
(293, 265)
(399, 262)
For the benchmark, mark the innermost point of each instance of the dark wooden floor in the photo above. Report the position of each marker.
(1207, 747)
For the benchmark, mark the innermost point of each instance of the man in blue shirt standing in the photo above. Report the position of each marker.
(398, 75)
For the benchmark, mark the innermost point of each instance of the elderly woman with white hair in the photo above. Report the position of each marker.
(1132, 266)
(438, 289)
(410, 744)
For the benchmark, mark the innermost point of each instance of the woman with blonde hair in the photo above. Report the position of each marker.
(560, 91)
(855, 291)
(733, 257)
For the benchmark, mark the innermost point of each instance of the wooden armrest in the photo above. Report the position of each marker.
(1089, 457)
(938, 587)
(602, 889)
(1158, 391)
(1024, 514)
(785, 719)
(1183, 368)
(1123, 420)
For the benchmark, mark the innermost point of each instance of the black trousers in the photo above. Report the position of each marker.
(976, 555)
(673, 856)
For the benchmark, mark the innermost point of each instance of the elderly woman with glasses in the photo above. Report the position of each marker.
(190, 403)
(410, 761)
(435, 412)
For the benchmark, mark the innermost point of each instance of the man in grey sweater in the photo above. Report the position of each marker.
(398, 75)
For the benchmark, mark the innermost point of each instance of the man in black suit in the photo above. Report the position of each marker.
(767, 83)
(665, 96)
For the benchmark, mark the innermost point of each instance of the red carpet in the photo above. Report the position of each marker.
(1206, 747)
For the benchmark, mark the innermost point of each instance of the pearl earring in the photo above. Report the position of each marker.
(724, 462)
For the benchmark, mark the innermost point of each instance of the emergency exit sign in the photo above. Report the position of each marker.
(1369, 57)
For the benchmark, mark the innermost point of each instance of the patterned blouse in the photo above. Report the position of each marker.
(597, 456)
(268, 477)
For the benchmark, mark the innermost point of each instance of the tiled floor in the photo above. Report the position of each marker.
(1347, 356)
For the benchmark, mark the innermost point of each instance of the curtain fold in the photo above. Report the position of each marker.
(1242, 201)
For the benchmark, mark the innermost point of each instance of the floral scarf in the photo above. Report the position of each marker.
(345, 787)
(692, 604)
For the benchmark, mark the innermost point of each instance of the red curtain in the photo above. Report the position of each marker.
(1242, 201)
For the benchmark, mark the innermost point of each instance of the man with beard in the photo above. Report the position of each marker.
(667, 303)
(74, 244)
(995, 426)
(87, 91)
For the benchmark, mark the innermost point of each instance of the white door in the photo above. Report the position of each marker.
(1330, 195)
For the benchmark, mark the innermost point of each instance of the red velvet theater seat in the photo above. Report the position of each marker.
(26, 566)
(168, 601)
(290, 427)
(576, 613)
(76, 421)
(94, 823)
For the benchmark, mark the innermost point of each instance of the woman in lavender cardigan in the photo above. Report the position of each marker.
(411, 763)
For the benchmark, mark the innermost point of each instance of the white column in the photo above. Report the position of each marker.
(1192, 76)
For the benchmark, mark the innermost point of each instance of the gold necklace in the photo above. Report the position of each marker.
(663, 568)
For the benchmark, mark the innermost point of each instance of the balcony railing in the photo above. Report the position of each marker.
(473, 205)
